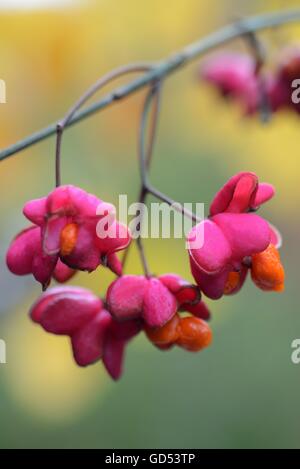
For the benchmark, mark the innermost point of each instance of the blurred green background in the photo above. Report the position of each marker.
(244, 390)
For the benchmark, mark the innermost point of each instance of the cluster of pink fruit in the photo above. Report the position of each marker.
(63, 239)
(236, 76)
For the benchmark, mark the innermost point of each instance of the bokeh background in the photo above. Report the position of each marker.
(244, 390)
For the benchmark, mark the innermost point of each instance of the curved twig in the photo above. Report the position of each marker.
(164, 68)
(97, 86)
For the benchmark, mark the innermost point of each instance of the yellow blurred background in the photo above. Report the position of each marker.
(241, 392)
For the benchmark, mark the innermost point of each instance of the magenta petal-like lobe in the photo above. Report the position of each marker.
(114, 264)
(233, 75)
(236, 195)
(68, 311)
(88, 341)
(125, 330)
(215, 251)
(243, 195)
(40, 304)
(159, 304)
(115, 238)
(125, 296)
(117, 336)
(35, 210)
(199, 310)
(264, 193)
(247, 233)
(85, 255)
(59, 201)
(43, 267)
(113, 356)
(25, 256)
(51, 234)
(22, 249)
(232, 72)
(183, 290)
(212, 285)
(173, 282)
(62, 273)
(84, 203)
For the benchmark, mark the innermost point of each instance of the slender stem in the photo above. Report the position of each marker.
(154, 122)
(176, 205)
(144, 160)
(104, 80)
(57, 156)
(99, 84)
(144, 152)
(264, 102)
(141, 249)
(145, 155)
(164, 68)
(259, 53)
